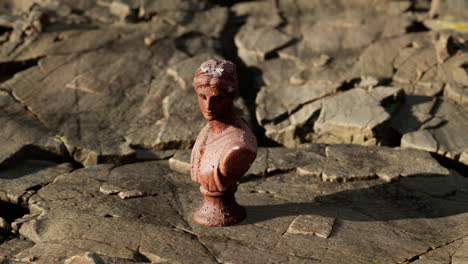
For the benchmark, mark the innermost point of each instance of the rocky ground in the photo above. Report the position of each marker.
(359, 106)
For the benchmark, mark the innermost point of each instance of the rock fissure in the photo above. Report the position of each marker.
(203, 244)
(418, 256)
(28, 109)
(386, 223)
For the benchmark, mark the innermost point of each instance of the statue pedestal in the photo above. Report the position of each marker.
(219, 208)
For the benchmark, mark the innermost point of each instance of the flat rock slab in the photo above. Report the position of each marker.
(351, 117)
(254, 43)
(278, 101)
(348, 162)
(15, 182)
(103, 101)
(92, 82)
(22, 132)
(443, 134)
(341, 43)
(335, 162)
(261, 13)
(287, 213)
(320, 226)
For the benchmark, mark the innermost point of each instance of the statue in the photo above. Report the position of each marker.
(225, 147)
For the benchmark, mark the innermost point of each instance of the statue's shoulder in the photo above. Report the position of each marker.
(239, 152)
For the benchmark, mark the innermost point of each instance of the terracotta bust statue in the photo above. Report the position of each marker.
(225, 147)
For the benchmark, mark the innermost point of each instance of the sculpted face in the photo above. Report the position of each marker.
(214, 102)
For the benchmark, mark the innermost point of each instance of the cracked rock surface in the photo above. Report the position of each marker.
(359, 107)
(289, 212)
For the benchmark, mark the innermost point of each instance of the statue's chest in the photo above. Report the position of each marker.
(205, 157)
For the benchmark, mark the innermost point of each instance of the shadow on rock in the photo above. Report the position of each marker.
(421, 197)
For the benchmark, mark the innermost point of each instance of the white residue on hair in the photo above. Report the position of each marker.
(216, 72)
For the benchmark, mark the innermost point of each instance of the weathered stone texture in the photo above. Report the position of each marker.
(115, 98)
(87, 82)
(443, 133)
(292, 207)
(351, 117)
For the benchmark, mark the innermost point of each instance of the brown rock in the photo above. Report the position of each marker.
(87, 258)
(254, 43)
(351, 117)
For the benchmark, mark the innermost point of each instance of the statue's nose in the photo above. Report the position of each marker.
(210, 103)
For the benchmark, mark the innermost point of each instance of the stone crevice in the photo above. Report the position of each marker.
(26, 107)
(417, 257)
(178, 208)
(203, 244)
(455, 251)
(385, 223)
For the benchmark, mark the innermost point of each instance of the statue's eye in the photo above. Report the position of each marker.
(218, 98)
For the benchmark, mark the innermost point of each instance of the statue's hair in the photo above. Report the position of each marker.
(221, 73)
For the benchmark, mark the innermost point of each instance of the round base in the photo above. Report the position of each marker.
(219, 209)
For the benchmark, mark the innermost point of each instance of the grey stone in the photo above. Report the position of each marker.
(312, 225)
(414, 111)
(386, 93)
(180, 162)
(261, 13)
(372, 62)
(451, 71)
(443, 47)
(10, 247)
(368, 82)
(44, 45)
(456, 92)
(464, 157)
(254, 43)
(461, 254)
(439, 255)
(22, 130)
(280, 100)
(394, 7)
(297, 128)
(44, 252)
(87, 258)
(351, 29)
(183, 115)
(445, 129)
(183, 71)
(282, 159)
(415, 66)
(7, 20)
(120, 9)
(277, 71)
(303, 55)
(4, 225)
(103, 14)
(210, 22)
(351, 117)
(130, 194)
(145, 154)
(161, 6)
(451, 143)
(348, 162)
(281, 210)
(389, 97)
(420, 139)
(95, 87)
(110, 189)
(335, 70)
(16, 181)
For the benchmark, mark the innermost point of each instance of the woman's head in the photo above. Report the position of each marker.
(216, 85)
